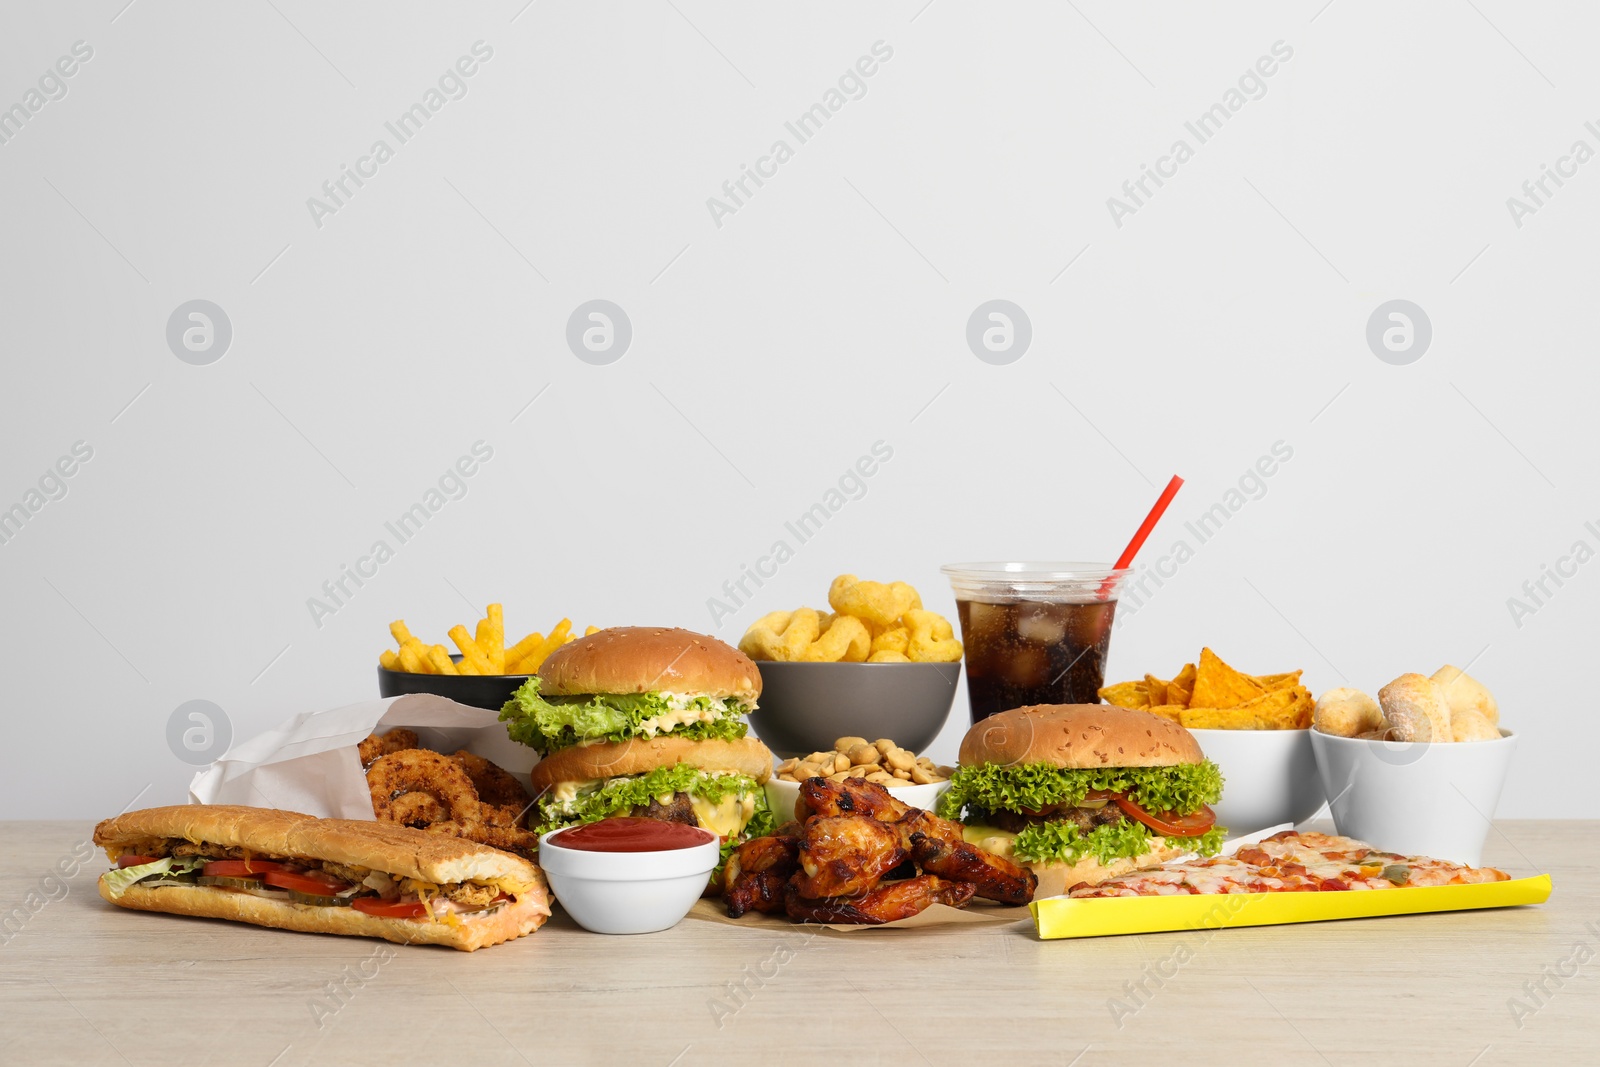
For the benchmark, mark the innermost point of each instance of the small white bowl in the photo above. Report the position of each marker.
(1415, 798)
(781, 796)
(628, 892)
(1268, 777)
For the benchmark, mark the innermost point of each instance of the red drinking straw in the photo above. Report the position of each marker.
(1145, 527)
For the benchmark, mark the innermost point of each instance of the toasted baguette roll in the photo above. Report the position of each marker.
(380, 846)
(507, 923)
(398, 851)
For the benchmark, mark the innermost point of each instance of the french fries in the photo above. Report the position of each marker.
(483, 649)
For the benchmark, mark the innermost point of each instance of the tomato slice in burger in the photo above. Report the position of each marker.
(397, 909)
(316, 885)
(1170, 824)
(134, 861)
(239, 868)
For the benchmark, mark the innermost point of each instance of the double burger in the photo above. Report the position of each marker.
(1083, 792)
(646, 722)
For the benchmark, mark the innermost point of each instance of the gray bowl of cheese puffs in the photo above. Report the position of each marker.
(805, 707)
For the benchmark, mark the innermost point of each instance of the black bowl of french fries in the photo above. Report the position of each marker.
(484, 673)
(489, 691)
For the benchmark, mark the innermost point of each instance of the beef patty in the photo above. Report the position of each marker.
(679, 810)
(1085, 819)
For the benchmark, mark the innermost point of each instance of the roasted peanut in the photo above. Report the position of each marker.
(881, 761)
(863, 754)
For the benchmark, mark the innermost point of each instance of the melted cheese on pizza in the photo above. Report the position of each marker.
(1292, 862)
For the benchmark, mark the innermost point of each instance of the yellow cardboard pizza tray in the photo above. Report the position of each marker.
(1062, 917)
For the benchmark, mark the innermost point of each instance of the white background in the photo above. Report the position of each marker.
(1228, 313)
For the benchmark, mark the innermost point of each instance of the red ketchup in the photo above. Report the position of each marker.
(628, 834)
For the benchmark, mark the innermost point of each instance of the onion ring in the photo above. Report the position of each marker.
(503, 815)
(397, 740)
(495, 784)
(419, 771)
(416, 809)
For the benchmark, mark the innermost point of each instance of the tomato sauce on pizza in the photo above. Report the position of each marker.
(1292, 862)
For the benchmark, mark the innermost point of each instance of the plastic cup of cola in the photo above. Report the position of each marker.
(1035, 633)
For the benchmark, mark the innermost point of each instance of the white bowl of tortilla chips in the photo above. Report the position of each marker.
(1255, 727)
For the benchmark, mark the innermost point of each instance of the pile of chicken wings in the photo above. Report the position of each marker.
(833, 863)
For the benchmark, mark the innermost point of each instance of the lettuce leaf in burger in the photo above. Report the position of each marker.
(548, 723)
(645, 721)
(1091, 788)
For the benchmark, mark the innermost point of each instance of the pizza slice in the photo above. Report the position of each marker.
(1292, 862)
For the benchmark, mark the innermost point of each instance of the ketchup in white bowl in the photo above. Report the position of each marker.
(628, 875)
(626, 833)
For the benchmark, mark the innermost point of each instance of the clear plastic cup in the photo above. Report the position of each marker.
(1035, 633)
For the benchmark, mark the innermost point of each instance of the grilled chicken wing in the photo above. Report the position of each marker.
(847, 854)
(757, 870)
(937, 846)
(853, 796)
(898, 900)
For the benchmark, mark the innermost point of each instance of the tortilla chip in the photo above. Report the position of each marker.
(1157, 689)
(1127, 695)
(1269, 682)
(1217, 685)
(1220, 697)
(1282, 709)
(1303, 711)
(1181, 686)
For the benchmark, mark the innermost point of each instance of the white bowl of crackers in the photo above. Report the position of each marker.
(1418, 770)
(914, 779)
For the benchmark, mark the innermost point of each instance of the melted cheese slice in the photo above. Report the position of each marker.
(728, 817)
(567, 792)
(991, 840)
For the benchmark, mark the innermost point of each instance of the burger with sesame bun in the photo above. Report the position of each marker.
(648, 722)
(1083, 792)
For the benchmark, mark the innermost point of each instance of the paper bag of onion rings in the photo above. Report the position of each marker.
(313, 763)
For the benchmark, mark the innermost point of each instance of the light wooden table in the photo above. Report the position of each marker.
(82, 982)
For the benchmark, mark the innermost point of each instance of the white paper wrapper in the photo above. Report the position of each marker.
(309, 764)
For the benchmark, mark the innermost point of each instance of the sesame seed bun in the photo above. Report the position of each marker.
(641, 755)
(1079, 736)
(649, 659)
